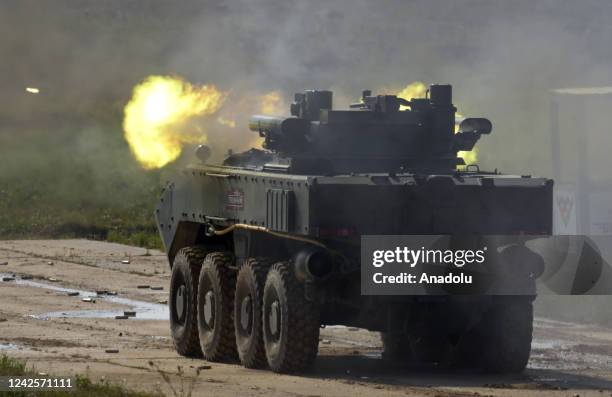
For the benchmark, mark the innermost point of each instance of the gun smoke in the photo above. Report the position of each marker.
(83, 58)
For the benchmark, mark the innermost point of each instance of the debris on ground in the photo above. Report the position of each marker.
(75, 336)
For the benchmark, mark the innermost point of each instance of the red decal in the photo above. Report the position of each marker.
(235, 199)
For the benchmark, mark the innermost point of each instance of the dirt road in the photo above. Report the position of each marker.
(43, 320)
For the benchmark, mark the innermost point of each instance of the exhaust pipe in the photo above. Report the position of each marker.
(312, 264)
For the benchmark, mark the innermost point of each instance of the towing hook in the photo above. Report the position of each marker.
(210, 230)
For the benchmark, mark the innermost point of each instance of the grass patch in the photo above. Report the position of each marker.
(11, 367)
(84, 386)
(144, 238)
(75, 178)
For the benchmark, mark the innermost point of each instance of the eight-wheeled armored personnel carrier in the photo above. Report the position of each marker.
(265, 247)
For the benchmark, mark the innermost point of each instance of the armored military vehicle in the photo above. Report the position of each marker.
(265, 247)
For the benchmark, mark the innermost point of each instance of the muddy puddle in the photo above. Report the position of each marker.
(9, 346)
(144, 310)
(559, 353)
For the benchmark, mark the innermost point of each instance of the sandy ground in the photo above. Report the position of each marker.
(62, 334)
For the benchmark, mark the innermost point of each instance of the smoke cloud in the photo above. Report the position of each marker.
(85, 56)
(502, 57)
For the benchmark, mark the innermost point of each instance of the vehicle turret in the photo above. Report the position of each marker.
(381, 133)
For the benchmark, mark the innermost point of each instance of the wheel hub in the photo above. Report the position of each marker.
(179, 302)
(209, 309)
(275, 318)
(246, 314)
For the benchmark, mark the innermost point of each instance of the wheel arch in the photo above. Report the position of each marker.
(194, 233)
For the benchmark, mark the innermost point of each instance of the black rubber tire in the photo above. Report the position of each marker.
(217, 277)
(184, 325)
(250, 283)
(506, 331)
(295, 346)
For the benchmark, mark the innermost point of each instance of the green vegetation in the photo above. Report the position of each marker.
(84, 386)
(67, 177)
(11, 367)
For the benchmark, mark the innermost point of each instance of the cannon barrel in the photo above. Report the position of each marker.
(281, 133)
(279, 126)
(264, 124)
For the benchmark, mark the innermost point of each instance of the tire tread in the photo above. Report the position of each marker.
(190, 346)
(258, 267)
(221, 264)
(303, 324)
